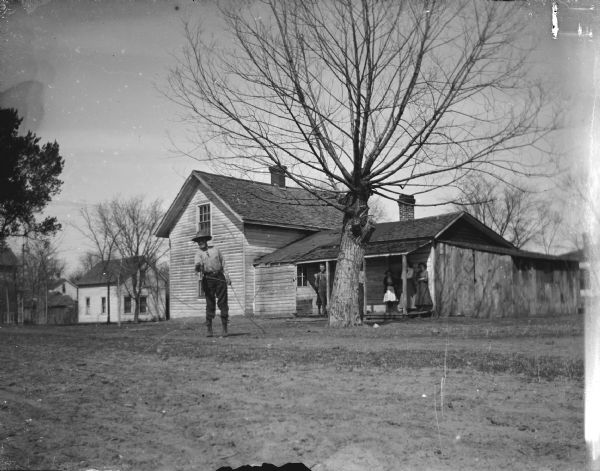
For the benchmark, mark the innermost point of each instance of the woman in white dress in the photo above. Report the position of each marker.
(389, 296)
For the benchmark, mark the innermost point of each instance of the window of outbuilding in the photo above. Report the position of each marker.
(103, 305)
(143, 304)
(127, 305)
(204, 218)
(87, 305)
(302, 275)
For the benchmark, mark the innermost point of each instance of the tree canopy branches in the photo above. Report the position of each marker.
(29, 178)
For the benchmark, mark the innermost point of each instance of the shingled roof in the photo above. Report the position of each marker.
(117, 270)
(389, 237)
(399, 237)
(257, 203)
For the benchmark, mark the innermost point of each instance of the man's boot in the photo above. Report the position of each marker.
(209, 331)
(224, 324)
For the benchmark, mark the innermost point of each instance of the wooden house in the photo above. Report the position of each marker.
(61, 309)
(64, 287)
(107, 288)
(246, 220)
(273, 238)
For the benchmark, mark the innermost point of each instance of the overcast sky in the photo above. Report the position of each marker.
(88, 74)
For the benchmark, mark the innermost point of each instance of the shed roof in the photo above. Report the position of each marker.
(117, 270)
(395, 238)
(59, 300)
(257, 203)
(512, 252)
(398, 237)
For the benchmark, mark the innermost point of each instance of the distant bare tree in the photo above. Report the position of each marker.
(375, 97)
(550, 226)
(518, 215)
(86, 262)
(100, 231)
(126, 228)
(507, 209)
(41, 266)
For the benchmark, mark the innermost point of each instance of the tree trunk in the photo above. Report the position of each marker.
(344, 306)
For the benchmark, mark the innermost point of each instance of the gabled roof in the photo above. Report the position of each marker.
(117, 270)
(422, 228)
(52, 285)
(255, 203)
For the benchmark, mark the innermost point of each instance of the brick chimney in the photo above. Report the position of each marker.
(406, 207)
(278, 175)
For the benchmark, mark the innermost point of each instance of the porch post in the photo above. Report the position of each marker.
(433, 277)
(404, 284)
(328, 289)
(364, 290)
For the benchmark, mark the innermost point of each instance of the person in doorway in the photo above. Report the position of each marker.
(321, 289)
(390, 296)
(423, 299)
(410, 289)
(210, 267)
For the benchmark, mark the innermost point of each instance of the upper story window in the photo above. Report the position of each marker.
(204, 218)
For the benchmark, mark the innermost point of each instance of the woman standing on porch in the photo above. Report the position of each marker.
(423, 299)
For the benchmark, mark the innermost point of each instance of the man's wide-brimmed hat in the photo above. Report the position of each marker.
(201, 235)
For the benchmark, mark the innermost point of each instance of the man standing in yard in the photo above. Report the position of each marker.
(321, 289)
(210, 267)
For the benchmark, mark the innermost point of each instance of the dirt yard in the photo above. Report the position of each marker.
(421, 394)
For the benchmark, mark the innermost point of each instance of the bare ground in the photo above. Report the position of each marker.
(423, 394)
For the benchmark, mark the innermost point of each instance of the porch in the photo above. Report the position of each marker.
(401, 263)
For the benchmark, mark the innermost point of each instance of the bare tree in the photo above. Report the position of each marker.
(375, 97)
(86, 261)
(126, 227)
(507, 209)
(135, 222)
(41, 266)
(520, 216)
(550, 227)
(101, 232)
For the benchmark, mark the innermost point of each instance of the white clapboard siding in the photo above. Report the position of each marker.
(155, 303)
(95, 295)
(262, 240)
(276, 290)
(227, 236)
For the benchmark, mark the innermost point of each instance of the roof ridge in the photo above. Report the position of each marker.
(267, 184)
(453, 214)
